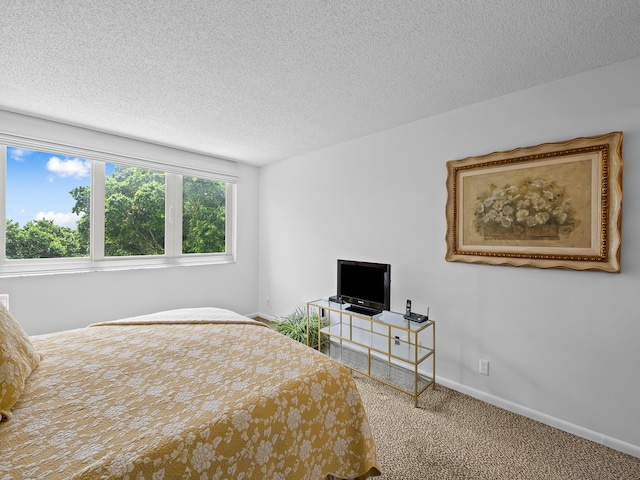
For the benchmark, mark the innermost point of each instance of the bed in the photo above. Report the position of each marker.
(200, 393)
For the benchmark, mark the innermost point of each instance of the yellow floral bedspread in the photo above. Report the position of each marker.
(191, 397)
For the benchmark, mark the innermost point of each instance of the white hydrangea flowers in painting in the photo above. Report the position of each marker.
(529, 210)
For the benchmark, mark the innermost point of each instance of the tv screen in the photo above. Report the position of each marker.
(365, 285)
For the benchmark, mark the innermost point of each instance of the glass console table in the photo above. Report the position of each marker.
(386, 346)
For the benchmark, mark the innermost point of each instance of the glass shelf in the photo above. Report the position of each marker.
(385, 372)
(379, 342)
(386, 317)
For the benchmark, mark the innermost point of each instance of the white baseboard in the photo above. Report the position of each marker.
(560, 424)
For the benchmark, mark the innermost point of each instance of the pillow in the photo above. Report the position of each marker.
(18, 359)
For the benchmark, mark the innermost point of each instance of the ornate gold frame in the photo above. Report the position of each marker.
(555, 205)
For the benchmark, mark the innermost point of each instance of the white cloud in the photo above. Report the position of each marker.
(61, 219)
(17, 154)
(74, 167)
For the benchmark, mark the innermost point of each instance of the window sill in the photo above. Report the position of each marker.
(24, 268)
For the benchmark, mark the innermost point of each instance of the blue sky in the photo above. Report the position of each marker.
(38, 185)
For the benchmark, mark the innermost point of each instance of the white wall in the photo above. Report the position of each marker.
(563, 345)
(49, 303)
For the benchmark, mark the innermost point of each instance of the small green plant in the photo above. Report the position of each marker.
(294, 326)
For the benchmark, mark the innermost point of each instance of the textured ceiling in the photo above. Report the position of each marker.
(260, 81)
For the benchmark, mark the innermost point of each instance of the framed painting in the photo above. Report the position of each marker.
(556, 205)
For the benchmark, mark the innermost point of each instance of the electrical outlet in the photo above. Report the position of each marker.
(484, 367)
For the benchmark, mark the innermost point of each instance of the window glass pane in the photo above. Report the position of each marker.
(47, 205)
(134, 211)
(203, 215)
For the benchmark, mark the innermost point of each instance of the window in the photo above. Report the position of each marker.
(134, 206)
(46, 196)
(203, 215)
(63, 211)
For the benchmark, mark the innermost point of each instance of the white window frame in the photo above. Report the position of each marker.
(96, 261)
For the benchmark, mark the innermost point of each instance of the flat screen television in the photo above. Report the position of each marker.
(366, 286)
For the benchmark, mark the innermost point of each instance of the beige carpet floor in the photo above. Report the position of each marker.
(453, 436)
